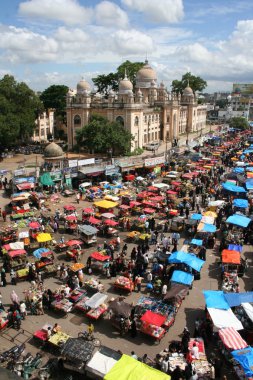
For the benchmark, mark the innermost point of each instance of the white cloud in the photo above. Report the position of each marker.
(67, 11)
(110, 14)
(22, 45)
(164, 11)
(132, 42)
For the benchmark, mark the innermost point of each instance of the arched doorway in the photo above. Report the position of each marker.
(120, 120)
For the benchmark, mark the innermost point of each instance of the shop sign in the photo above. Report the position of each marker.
(24, 179)
(73, 163)
(111, 169)
(56, 176)
(73, 175)
(129, 162)
(154, 161)
(19, 172)
(88, 161)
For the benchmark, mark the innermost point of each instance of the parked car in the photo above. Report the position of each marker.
(152, 146)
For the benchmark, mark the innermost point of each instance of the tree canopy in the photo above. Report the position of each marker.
(19, 107)
(101, 135)
(55, 97)
(238, 122)
(196, 83)
(105, 82)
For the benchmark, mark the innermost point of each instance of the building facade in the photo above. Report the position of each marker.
(150, 112)
(44, 126)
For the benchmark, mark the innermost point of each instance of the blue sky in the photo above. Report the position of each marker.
(44, 42)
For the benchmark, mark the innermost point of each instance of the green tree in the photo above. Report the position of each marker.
(238, 123)
(100, 135)
(221, 103)
(55, 97)
(196, 83)
(19, 107)
(105, 82)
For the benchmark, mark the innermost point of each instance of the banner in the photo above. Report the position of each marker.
(88, 161)
(72, 163)
(154, 161)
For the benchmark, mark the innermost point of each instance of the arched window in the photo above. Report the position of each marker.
(153, 118)
(77, 120)
(145, 119)
(136, 121)
(120, 120)
(168, 118)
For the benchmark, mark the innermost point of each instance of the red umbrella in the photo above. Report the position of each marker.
(34, 225)
(69, 208)
(149, 210)
(70, 243)
(134, 203)
(93, 220)
(88, 210)
(157, 198)
(148, 203)
(71, 218)
(153, 189)
(110, 222)
(124, 207)
(171, 192)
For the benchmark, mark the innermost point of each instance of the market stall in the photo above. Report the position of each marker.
(93, 285)
(99, 261)
(88, 234)
(75, 353)
(120, 311)
(101, 363)
(124, 283)
(96, 306)
(151, 324)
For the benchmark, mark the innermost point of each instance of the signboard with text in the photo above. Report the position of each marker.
(154, 161)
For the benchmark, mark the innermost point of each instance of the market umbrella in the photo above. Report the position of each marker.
(108, 215)
(110, 222)
(34, 225)
(70, 243)
(37, 253)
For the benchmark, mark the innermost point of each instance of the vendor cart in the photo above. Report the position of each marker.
(88, 233)
(124, 283)
(99, 261)
(151, 324)
(96, 306)
(69, 209)
(120, 313)
(71, 223)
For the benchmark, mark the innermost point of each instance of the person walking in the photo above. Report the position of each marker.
(78, 197)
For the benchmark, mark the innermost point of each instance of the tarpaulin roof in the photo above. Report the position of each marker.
(71, 218)
(216, 203)
(99, 257)
(46, 179)
(110, 222)
(230, 257)
(34, 225)
(235, 247)
(196, 242)
(39, 251)
(153, 318)
(215, 299)
(77, 350)
(72, 242)
(224, 318)
(105, 204)
(25, 186)
(238, 170)
(248, 308)
(128, 368)
(120, 308)
(69, 207)
(249, 184)
(205, 227)
(43, 237)
(100, 364)
(87, 230)
(207, 219)
(238, 220)
(17, 252)
(196, 216)
(243, 203)
(182, 277)
(15, 245)
(88, 210)
(93, 220)
(175, 291)
(186, 258)
(232, 339)
(245, 358)
(236, 299)
(96, 300)
(233, 188)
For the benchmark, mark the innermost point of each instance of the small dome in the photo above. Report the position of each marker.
(83, 85)
(188, 91)
(71, 92)
(146, 73)
(53, 150)
(125, 85)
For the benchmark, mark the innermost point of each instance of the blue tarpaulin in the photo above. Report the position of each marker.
(243, 203)
(238, 170)
(249, 169)
(188, 259)
(197, 242)
(208, 228)
(236, 299)
(249, 184)
(196, 217)
(39, 251)
(233, 188)
(238, 220)
(182, 277)
(245, 358)
(215, 299)
(235, 247)
(249, 150)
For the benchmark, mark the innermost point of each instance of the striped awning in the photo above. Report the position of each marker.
(232, 339)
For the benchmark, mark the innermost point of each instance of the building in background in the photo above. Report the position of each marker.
(245, 89)
(149, 112)
(44, 129)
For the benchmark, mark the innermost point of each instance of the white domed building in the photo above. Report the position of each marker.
(54, 155)
(149, 111)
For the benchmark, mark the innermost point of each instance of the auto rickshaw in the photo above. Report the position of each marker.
(177, 224)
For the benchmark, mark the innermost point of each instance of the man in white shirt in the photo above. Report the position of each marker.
(134, 356)
(195, 351)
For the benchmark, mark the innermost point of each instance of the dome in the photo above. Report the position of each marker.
(145, 74)
(125, 85)
(83, 85)
(53, 150)
(188, 91)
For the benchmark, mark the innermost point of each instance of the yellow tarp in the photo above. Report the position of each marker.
(43, 237)
(106, 204)
(210, 213)
(128, 368)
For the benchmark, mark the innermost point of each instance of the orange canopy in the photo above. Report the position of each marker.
(230, 257)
